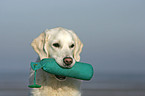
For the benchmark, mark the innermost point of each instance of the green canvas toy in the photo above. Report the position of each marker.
(82, 71)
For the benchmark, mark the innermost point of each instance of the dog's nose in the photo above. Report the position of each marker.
(68, 61)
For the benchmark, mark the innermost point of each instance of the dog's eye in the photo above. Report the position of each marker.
(72, 46)
(56, 45)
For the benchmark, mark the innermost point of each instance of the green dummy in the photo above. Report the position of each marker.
(82, 71)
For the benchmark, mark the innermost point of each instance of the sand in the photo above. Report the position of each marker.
(85, 92)
(107, 85)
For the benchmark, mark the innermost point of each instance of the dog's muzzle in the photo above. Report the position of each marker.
(67, 61)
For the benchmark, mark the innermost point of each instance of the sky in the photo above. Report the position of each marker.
(112, 31)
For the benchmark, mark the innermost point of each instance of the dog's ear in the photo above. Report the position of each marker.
(78, 47)
(39, 44)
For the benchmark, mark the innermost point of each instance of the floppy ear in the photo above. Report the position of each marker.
(39, 44)
(78, 47)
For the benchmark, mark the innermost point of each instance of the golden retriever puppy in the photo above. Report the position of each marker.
(64, 46)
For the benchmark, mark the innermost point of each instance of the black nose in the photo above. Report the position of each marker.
(68, 61)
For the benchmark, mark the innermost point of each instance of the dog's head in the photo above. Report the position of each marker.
(61, 44)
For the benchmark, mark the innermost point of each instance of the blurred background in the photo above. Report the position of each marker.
(112, 31)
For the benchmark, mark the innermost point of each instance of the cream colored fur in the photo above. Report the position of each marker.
(43, 47)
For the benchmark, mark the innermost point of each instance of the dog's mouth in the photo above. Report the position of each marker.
(60, 77)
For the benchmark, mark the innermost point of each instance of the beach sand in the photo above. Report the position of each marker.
(130, 85)
(85, 92)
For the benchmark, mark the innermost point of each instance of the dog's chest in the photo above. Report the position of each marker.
(59, 90)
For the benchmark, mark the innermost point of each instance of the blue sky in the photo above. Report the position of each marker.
(112, 31)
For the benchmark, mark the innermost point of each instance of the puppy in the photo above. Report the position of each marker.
(64, 46)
